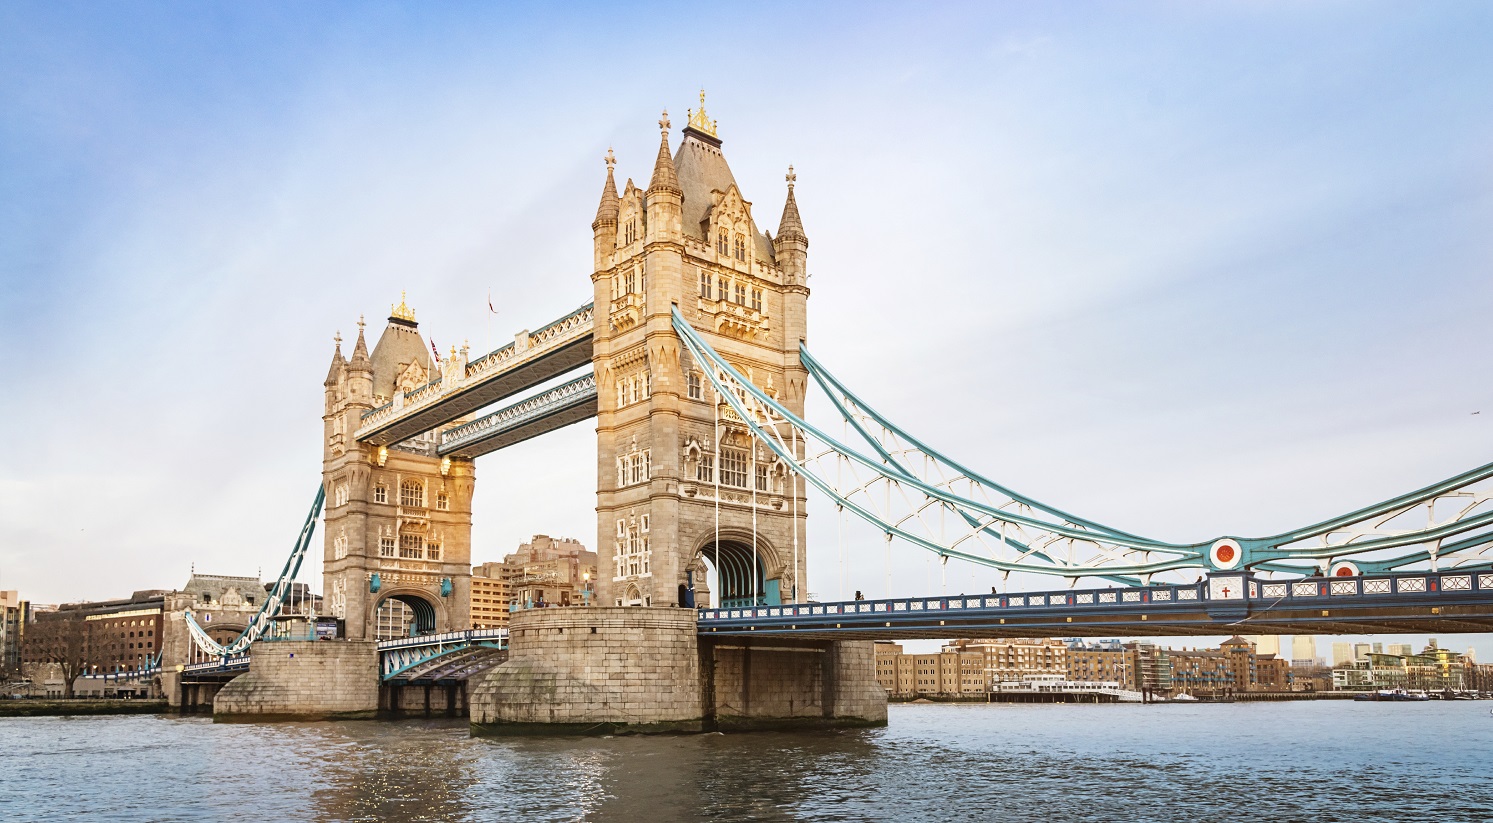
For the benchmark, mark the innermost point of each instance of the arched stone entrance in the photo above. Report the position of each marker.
(743, 575)
(419, 615)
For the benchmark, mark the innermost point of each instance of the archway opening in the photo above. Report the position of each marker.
(739, 576)
(403, 615)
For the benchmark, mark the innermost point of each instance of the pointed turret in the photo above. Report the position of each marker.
(791, 227)
(665, 178)
(334, 374)
(606, 213)
(792, 245)
(359, 360)
(665, 198)
(604, 227)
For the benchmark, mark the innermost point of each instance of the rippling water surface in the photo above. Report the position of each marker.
(1323, 761)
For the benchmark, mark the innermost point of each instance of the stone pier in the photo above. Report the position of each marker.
(303, 680)
(621, 670)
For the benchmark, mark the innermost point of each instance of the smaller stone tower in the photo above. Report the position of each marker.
(399, 517)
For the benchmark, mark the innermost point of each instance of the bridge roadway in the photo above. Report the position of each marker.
(1423, 602)
(428, 659)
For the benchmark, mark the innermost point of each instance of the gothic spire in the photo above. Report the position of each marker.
(606, 213)
(360, 352)
(791, 227)
(664, 176)
(337, 362)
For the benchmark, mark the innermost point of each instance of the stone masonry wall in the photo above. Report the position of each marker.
(303, 679)
(598, 669)
(778, 683)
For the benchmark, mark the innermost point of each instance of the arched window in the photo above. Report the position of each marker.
(720, 242)
(380, 494)
(412, 494)
(740, 248)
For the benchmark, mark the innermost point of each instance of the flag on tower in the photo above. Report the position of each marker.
(489, 302)
(435, 350)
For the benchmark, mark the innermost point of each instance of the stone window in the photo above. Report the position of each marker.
(692, 385)
(630, 230)
(341, 497)
(380, 494)
(720, 241)
(757, 300)
(442, 502)
(722, 289)
(705, 286)
(740, 248)
(741, 294)
(386, 547)
(433, 550)
(705, 469)
(761, 477)
(734, 468)
(411, 546)
(412, 494)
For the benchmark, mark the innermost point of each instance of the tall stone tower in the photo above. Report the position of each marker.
(681, 486)
(398, 517)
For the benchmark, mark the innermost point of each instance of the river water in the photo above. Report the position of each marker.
(1318, 761)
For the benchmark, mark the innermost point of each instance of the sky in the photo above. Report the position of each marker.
(1186, 269)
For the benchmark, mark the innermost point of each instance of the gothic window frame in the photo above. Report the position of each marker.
(739, 248)
(693, 387)
(721, 242)
(380, 493)
(411, 494)
(705, 284)
(411, 546)
(386, 546)
(442, 501)
(741, 291)
(757, 300)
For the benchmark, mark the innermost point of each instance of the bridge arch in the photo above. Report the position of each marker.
(741, 575)
(427, 614)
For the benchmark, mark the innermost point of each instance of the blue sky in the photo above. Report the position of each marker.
(1186, 269)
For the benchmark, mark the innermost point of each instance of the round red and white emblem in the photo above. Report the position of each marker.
(1344, 568)
(1225, 554)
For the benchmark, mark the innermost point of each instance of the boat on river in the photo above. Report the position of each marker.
(1394, 695)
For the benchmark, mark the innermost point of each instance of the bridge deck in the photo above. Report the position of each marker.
(1225, 604)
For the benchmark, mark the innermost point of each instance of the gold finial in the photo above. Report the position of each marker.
(611, 159)
(360, 324)
(663, 122)
(790, 177)
(697, 119)
(402, 311)
(337, 338)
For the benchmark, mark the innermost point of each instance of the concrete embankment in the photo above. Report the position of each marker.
(41, 708)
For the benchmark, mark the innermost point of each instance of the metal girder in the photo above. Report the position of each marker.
(557, 408)
(557, 348)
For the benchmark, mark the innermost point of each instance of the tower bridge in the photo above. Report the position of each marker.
(692, 357)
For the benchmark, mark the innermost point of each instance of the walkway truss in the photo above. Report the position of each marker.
(912, 492)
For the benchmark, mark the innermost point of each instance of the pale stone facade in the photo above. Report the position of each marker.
(304, 679)
(398, 518)
(665, 443)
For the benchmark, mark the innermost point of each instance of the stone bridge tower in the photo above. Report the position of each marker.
(399, 517)
(680, 484)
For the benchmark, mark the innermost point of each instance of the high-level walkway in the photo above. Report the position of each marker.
(532, 359)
